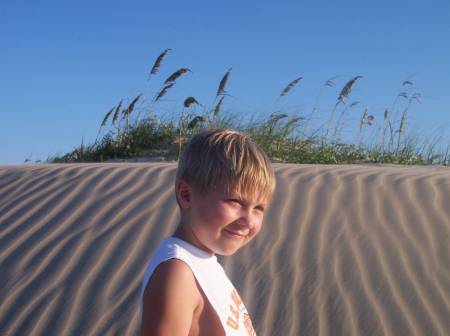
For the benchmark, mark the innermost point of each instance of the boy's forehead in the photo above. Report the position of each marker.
(252, 195)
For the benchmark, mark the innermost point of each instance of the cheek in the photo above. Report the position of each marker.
(222, 213)
(256, 229)
(258, 225)
(205, 211)
(214, 216)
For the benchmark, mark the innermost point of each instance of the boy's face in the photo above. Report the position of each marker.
(222, 223)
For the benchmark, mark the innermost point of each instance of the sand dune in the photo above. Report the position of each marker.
(345, 250)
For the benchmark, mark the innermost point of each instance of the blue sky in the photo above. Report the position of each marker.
(64, 64)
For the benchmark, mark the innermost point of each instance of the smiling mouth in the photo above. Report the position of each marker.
(235, 234)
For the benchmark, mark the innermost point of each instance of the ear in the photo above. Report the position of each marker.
(183, 192)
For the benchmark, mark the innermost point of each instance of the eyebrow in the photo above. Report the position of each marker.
(245, 200)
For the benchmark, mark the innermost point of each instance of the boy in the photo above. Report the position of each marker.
(223, 184)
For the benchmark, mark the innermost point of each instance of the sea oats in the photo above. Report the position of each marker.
(132, 104)
(290, 125)
(190, 101)
(218, 106)
(416, 96)
(223, 83)
(363, 118)
(105, 119)
(290, 86)
(158, 61)
(116, 112)
(402, 126)
(345, 92)
(177, 74)
(277, 117)
(195, 121)
(329, 83)
(163, 91)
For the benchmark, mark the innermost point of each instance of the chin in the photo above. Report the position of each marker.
(227, 250)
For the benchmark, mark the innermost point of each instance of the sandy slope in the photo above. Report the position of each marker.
(345, 250)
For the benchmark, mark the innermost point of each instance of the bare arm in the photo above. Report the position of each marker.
(170, 298)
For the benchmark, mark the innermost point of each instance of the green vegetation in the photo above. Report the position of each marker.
(141, 132)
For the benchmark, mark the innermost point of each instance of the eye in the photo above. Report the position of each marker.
(234, 201)
(260, 208)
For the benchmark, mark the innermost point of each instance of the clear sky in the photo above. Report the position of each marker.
(64, 64)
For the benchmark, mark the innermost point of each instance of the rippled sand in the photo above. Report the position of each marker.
(345, 250)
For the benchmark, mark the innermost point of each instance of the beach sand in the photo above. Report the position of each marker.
(344, 250)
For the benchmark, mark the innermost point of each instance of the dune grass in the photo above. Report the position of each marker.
(136, 132)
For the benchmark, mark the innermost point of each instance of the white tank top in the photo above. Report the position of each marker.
(212, 278)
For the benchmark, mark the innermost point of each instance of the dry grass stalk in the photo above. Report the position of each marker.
(340, 122)
(365, 119)
(158, 61)
(290, 86)
(345, 92)
(330, 120)
(402, 127)
(223, 83)
(195, 121)
(163, 91)
(105, 119)
(130, 108)
(177, 74)
(170, 82)
(416, 96)
(391, 130)
(116, 112)
(190, 101)
(272, 122)
(277, 117)
(218, 106)
(329, 83)
(290, 126)
(385, 124)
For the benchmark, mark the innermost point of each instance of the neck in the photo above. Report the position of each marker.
(188, 235)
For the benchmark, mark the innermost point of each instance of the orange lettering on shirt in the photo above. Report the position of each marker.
(248, 324)
(235, 312)
(232, 323)
(236, 298)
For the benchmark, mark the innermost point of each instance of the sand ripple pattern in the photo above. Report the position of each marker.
(345, 250)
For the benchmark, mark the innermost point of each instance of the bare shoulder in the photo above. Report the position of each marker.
(171, 273)
(170, 299)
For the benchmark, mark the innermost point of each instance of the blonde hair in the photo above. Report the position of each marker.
(228, 161)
